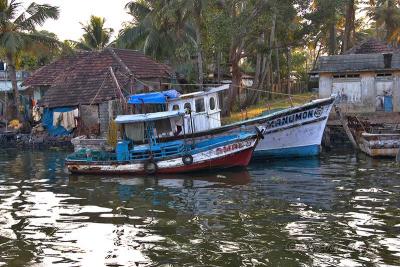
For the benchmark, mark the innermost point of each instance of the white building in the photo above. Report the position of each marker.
(367, 78)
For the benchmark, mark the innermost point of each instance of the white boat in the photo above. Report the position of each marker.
(292, 132)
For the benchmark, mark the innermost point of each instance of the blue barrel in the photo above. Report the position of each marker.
(388, 103)
(122, 150)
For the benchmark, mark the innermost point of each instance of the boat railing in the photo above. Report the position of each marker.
(92, 155)
(158, 151)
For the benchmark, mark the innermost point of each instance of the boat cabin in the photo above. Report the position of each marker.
(138, 129)
(202, 109)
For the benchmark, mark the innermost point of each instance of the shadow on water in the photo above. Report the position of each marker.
(339, 209)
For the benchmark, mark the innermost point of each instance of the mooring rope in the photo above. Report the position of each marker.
(220, 84)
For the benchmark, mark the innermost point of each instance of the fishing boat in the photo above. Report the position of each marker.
(292, 132)
(141, 152)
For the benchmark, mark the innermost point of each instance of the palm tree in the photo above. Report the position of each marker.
(157, 29)
(96, 36)
(17, 32)
(387, 14)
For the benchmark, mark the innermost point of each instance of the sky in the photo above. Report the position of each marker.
(72, 12)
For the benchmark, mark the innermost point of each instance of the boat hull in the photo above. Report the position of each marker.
(236, 154)
(294, 134)
(379, 145)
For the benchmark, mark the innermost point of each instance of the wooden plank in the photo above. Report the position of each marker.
(345, 125)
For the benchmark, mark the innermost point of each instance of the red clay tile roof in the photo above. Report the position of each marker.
(371, 46)
(46, 75)
(84, 78)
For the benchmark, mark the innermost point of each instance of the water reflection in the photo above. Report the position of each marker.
(341, 209)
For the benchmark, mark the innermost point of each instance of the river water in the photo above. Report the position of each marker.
(341, 209)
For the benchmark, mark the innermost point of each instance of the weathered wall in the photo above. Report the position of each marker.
(89, 115)
(325, 85)
(396, 91)
(105, 116)
(361, 94)
(368, 94)
(149, 85)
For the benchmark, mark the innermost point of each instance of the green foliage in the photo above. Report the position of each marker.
(96, 36)
(18, 35)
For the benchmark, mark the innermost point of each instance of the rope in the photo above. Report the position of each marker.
(272, 92)
(216, 84)
(98, 91)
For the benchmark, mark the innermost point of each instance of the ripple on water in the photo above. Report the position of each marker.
(340, 210)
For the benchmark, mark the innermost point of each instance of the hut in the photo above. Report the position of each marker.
(366, 78)
(82, 91)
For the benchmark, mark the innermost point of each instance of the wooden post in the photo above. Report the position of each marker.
(119, 93)
(345, 125)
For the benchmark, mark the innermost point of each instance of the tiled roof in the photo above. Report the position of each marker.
(367, 56)
(370, 46)
(46, 75)
(355, 62)
(84, 78)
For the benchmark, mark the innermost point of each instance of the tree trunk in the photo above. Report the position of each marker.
(289, 69)
(349, 30)
(332, 38)
(265, 73)
(219, 67)
(13, 76)
(278, 68)
(199, 56)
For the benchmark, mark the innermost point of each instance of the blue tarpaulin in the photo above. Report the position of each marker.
(47, 121)
(153, 98)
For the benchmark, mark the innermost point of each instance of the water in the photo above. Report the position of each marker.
(339, 210)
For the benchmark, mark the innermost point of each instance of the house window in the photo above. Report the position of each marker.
(175, 107)
(383, 75)
(343, 76)
(187, 106)
(212, 103)
(337, 76)
(200, 107)
(354, 75)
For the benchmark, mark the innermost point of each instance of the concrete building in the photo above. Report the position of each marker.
(6, 91)
(366, 78)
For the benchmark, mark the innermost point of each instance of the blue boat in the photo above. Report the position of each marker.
(141, 152)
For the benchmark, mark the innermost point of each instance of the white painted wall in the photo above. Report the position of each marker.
(325, 85)
(202, 120)
(361, 94)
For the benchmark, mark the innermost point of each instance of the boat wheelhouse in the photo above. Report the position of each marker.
(203, 108)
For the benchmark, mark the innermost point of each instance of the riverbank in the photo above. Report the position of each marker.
(27, 141)
(266, 105)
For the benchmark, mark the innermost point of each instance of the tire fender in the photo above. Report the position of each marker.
(187, 159)
(150, 167)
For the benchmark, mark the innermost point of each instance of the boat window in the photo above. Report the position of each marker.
(200, 107)
(212, 103)
(187, 106)
(175, 107)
